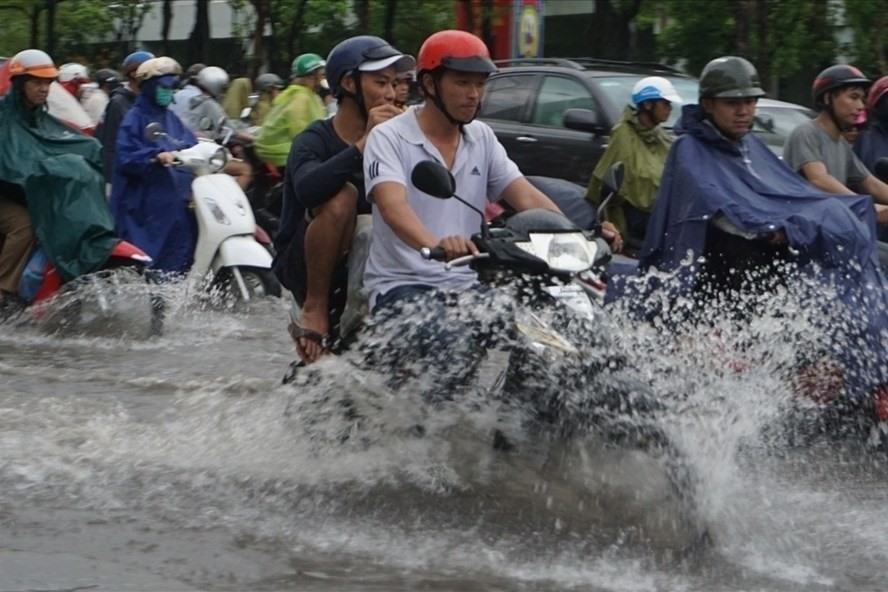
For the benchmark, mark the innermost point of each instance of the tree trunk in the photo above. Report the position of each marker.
(389, 34)
(363, 10)
(879, 40)
(763, 47)
(35, 26)
(198, 41)
(741, 9)
(262, 9)
(294, 37)
(167, 15)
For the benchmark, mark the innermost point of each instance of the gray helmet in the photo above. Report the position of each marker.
(213, 80)
(267, 81)
(730, 77)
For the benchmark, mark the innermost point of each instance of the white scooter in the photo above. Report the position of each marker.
(227, 254)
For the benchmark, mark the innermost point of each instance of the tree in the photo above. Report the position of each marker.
(780, 37)
(869, 23)
(128, 16)
(167, 16)
(199, 40)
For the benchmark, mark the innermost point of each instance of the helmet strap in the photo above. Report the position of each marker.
(828, 107)
(357, 96)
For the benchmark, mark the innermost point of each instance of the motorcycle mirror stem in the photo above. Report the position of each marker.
(610, 186)
(431, 177)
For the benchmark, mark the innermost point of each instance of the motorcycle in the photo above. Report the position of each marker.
(114, 300)
(556, 367)
(228, 255)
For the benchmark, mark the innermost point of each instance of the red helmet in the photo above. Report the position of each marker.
(836, 77)
(455, 50)
(877, 91)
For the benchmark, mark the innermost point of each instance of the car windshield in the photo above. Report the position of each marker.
(619, 91)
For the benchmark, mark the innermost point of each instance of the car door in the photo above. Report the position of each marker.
(505, 108)
(550, 148)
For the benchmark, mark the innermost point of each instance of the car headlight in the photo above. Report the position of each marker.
(564, 251)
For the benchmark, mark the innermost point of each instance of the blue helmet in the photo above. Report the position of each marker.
(654, 88)
(365, 53)
(132, 62)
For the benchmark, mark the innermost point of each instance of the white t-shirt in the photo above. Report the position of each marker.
(482, 172)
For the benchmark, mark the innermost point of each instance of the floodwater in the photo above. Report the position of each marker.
(182, 463)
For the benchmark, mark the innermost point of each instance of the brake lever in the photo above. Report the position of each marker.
(464, 260)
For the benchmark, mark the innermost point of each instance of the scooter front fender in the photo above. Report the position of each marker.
(241, 251)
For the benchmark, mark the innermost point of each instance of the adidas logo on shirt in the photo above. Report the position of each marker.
(475, 171)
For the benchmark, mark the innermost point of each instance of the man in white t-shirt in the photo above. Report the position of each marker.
(453, 67)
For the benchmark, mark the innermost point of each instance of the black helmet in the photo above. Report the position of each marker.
(730, 77)
(836, 77)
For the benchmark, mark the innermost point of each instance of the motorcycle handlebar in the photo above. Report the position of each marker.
(433, 254)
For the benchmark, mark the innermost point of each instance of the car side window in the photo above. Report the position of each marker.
(557, 95)
(506, 96)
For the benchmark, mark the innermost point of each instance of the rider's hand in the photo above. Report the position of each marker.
(777, 238)
(165, 158)
(457, 246)
(610, 233)
(379, 114)
(881, 214)
(375, 116)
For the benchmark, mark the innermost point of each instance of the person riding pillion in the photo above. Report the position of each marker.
(293, 109)
(641, 145)
(324, 200)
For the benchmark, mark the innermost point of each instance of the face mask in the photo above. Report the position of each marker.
(163, 96)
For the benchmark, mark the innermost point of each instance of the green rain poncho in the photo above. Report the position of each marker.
(643, 151)
(60, 170)
(291, 112)
(237, 97)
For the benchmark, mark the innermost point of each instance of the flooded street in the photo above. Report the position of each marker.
(183, 463)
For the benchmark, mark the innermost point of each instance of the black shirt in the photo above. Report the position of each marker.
(318, 166)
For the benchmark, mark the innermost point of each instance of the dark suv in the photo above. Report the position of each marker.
(554, 115)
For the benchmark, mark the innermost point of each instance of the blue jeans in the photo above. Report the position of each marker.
(433, 333)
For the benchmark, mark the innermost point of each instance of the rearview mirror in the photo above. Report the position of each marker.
(610, 185)
(613, 179)
(154, 131)
(584, 120)
(431, 177)
(765, 121)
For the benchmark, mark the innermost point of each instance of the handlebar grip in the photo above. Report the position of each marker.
(433, 254)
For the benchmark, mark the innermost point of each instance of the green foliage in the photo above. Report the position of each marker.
(868, 21)
(14, 30)
(698, 31)
(800, 33)
(413, 21)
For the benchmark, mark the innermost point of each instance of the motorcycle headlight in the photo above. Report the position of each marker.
(219, 159)
(565, 251)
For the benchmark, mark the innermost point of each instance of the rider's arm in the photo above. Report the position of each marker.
(521, 195)
(390, 199)
(315, 177)
(878, 189)
(134, 153)
(816, 174)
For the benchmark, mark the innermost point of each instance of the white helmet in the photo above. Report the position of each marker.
(214, 80)
(654, 88)
(32, 62)
(73, 71)
(156, 67)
